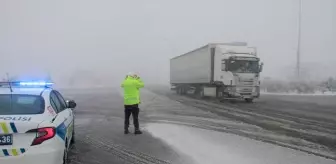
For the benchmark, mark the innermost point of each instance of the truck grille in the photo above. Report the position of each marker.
(246, 82)
(245, 90)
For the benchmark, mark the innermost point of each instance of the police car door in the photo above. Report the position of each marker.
(64, 118)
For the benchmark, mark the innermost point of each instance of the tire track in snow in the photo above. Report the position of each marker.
(122, 152)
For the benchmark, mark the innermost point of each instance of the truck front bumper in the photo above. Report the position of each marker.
(244, 95)
(245, 92)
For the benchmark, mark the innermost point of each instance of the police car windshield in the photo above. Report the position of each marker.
(16, 104)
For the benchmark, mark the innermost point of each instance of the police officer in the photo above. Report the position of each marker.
(131, 86)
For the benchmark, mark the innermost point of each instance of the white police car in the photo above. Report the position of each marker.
(36, 124)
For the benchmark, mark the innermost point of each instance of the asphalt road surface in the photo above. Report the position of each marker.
(100, 137)
(186, 130)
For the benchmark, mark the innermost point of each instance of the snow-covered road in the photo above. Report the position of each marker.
(305, 123)
(184, 130)
(211, 147)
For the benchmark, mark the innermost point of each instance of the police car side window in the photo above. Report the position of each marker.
(55, 103)
(61, 99)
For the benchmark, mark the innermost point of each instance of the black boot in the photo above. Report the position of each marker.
(137, 131)
(126, 131)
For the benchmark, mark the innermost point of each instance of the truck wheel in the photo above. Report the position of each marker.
(249, 100)
(184, 91)
(179, 90)
(201, 93)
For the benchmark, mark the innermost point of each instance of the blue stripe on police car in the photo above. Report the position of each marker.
(61, 131)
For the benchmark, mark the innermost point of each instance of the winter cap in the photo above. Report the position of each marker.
(132, 74)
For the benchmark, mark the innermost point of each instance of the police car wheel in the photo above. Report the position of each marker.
(73, 140)
(65, 154)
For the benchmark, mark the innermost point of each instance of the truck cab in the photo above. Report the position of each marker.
(239, 71)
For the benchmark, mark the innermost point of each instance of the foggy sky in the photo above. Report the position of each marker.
(114, 37)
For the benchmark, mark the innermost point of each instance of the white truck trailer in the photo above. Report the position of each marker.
(222, 70)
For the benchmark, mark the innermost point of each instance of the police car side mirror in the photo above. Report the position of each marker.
(71, 104)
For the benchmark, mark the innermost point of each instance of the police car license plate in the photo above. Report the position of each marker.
(6, 139)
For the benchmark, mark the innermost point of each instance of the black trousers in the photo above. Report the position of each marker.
(134, 111)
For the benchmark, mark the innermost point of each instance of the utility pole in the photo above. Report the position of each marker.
(298, 55)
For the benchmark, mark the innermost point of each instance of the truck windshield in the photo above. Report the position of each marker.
(21, 104)
(243, 66)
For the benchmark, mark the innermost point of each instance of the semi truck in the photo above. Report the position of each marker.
(221, 70)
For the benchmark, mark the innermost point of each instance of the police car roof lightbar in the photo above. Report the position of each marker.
(39, 83)
(32, 84)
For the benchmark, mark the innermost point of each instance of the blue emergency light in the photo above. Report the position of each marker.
(36, 83)
(29, 84)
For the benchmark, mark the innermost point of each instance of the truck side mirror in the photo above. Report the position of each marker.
(261, 67)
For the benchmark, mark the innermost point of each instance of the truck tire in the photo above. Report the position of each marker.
(185, 90)
(182, 91)
(201, 93)
(249, 100)
(178, 90)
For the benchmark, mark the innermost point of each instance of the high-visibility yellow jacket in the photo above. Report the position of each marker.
(131, 88)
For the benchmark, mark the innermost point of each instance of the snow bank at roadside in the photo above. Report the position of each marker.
(298, 94)
(211, 147)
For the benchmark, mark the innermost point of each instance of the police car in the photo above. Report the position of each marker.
(36, 124)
